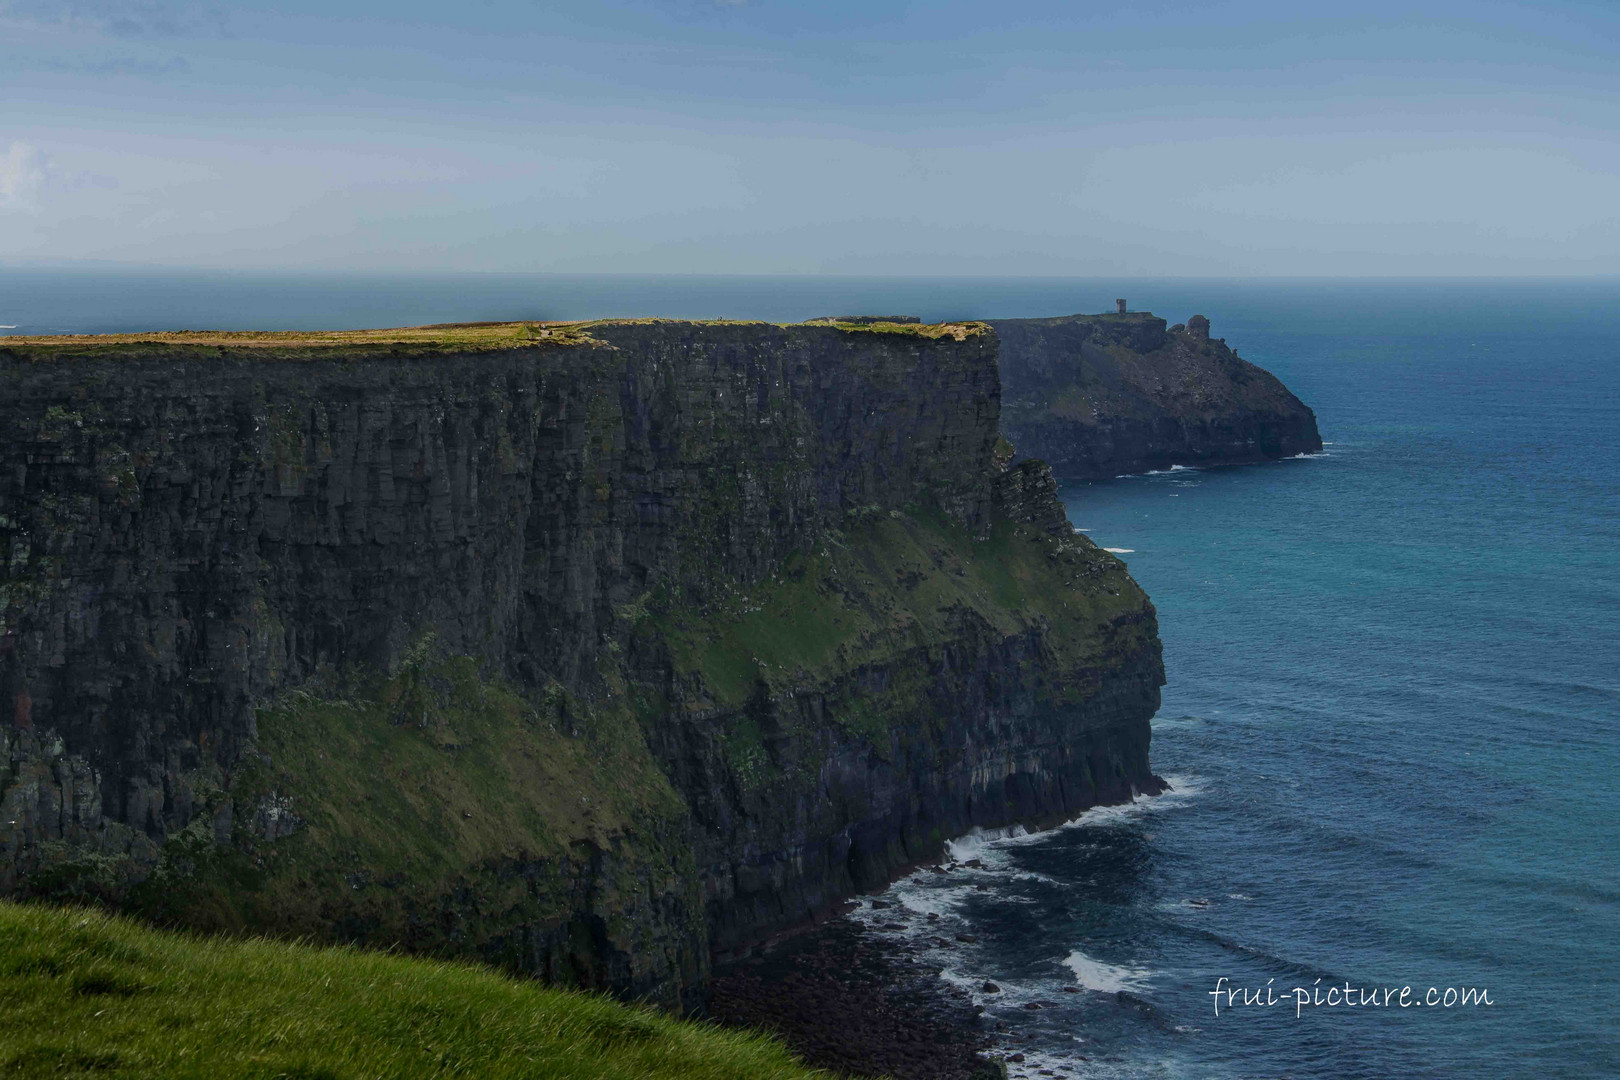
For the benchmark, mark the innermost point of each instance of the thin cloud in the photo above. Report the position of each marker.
(121, 65)
(23, 172)
(117, 18)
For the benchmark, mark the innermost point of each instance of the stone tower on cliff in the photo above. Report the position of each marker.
(1121, 304)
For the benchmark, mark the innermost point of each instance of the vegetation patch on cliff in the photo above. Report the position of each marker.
(889, 582)
(396, 808)
(85, 993)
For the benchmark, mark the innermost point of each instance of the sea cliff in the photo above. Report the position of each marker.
(590, 651)
(1098, 396)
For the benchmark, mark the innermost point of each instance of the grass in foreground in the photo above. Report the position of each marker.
(91, 995)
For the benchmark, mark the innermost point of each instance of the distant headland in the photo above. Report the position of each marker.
(1097, 396)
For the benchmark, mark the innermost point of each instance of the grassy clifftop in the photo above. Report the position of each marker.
(291, 344)
(86, 994)
(439, 339)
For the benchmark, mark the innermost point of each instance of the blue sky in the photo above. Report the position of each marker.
(671, 136)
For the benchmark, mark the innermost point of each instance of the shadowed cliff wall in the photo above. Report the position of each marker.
(580, 658)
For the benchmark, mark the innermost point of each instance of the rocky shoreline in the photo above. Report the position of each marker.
(864, 993)
(847, 998)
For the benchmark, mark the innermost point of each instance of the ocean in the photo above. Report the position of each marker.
(1392, 723)
(1392, 720)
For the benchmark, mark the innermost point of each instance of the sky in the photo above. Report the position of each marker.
(765, 137)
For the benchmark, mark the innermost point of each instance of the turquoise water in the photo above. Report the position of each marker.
(1393, 719)
(1393, 715)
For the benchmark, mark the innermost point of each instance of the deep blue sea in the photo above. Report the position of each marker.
(1393, 712)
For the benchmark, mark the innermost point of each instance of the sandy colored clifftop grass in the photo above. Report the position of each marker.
(456, 337)
(87, 994)
(411, 340)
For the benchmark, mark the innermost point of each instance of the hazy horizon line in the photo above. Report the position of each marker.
(203, 268)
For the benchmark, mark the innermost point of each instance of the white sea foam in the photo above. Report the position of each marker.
(1009, 996)
(925, 892)
(1190, 903)
(1036, 1062)
(983, 844)
(1120, 551)
(1106, 978)
(973, 845)
(988, 845)
(971, 985)
(1030, 875)
(1185, 785)
(924, 899)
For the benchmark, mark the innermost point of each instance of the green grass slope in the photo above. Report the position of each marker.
(891, 581)
(84, 994)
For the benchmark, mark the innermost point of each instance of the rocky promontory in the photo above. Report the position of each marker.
(1097, 396)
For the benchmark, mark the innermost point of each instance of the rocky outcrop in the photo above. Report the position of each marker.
(1104, 395)
(583, 653)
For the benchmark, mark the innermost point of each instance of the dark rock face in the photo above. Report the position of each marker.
(983, 747)
(188, 536)
(1098, 396)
